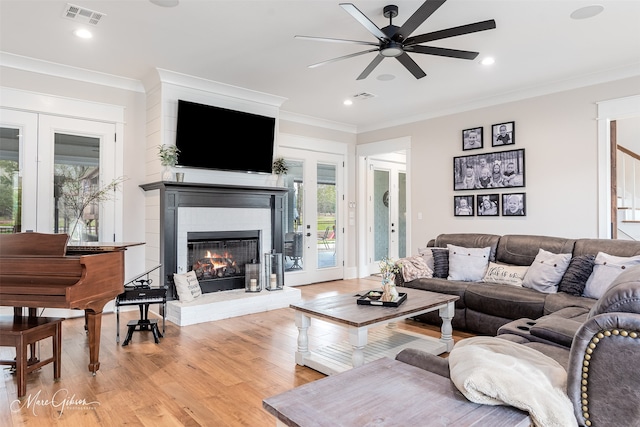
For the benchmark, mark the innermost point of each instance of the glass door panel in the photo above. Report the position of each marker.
(326, 203)
(381, 214)
(402, 215)
(76, 184)
(294, 234)
(10, 181)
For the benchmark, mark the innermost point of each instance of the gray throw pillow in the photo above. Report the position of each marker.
(440, 262)
(577, 274)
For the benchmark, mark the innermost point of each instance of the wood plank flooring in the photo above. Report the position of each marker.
(211, 374)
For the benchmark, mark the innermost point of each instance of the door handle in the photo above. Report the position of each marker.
(308, 234)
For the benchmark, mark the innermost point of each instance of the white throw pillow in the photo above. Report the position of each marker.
(605, 270)
(187, 286)
(546, 271)
(505, 274)
(468, 264)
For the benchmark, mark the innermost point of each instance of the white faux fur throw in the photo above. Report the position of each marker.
(494, 371)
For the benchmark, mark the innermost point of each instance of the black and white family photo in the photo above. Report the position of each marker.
(503, 134)
(488, 205)
(463, 205)
(491, 170)
(513, 204)
(472, 139)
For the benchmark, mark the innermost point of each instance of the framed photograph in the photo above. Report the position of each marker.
(472, 139)
(514, 204)
(503, 134)
(463, 205)
(502, 169)
(488, 205)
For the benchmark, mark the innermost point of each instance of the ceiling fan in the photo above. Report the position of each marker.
(396, 42)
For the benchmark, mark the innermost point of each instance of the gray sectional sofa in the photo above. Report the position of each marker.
(484, 308)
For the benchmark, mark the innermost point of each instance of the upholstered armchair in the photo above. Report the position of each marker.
(602, 363)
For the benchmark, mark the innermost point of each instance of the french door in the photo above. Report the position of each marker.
(314, 228)
(47, 165)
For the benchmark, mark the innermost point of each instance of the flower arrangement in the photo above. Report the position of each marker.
(279, 166)
(168, 155)
(388, 269)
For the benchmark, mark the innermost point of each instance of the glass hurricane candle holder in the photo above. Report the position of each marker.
(274, 271)
(252, 279)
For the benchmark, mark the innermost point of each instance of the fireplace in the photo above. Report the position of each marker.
(219, 257)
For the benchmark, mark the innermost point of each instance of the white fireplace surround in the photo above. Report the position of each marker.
(195, 219)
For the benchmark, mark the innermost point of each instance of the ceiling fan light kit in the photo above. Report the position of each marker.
(395, 42)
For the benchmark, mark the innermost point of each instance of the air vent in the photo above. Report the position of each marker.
(363, 95)
(82, 14)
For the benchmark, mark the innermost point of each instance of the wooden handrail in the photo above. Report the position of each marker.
(629, 152)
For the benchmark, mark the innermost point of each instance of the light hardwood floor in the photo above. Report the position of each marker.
(211, 374)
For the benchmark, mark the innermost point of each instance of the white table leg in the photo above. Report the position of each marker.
(302, 322)
(446, 331)
(358, 340)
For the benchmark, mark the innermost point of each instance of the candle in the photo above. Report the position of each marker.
(273, 281)
(253, 285)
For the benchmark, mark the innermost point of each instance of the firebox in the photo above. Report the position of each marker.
(219, 257)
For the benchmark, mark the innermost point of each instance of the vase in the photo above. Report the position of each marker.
(167, 173)
(280, 181)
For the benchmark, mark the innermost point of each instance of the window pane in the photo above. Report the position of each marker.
(76, 180)
(326, 206)
(294, 237)
(10, 181)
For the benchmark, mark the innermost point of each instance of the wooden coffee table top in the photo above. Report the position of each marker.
(387, 393)
(345, 309)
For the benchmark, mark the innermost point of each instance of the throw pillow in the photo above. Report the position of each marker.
(468, 264)
(577, 274)
(415, 267)
(546, 271)
(505, 274)
(437, 259)
(606, 268)
(187, 286)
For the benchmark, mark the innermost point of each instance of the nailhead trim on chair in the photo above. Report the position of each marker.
(585, 365)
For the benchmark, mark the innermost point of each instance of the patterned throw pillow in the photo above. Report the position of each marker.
(505, 274)
(415, 267)
(577, 274)
(546, 271)
(187, 286)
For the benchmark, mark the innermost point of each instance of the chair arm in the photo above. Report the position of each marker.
(424, 360)
(556, 330)
(603, 374)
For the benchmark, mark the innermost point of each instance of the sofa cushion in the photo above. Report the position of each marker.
(469, 240)
(561, 300)
(505, 274)
(506, 301)
(606, 268)
(519, 249)
(577, 274)
(546, 271)
(467, 264)
(442, 286)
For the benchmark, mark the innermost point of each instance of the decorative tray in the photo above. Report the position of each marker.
(373, 298)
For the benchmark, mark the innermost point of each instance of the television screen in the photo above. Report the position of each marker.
(218, 138)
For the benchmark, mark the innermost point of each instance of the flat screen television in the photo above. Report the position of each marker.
(218, 138)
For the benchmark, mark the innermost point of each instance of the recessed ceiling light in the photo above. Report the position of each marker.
(386, 77)
(82, 33)
(165, 3)
(587, 12)
(348, 102)
(488, 61)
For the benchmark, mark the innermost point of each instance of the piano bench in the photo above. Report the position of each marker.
(143, 325)
(22, 331)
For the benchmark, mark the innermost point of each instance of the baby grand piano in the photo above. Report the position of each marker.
(39, 270)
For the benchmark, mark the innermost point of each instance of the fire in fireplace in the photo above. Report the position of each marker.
(219, 257)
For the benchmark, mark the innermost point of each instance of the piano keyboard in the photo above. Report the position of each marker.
(142, 296)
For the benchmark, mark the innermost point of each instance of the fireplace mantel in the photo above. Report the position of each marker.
(174, 195)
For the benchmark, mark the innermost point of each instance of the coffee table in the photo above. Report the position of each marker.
(362, 321)
(386, 393)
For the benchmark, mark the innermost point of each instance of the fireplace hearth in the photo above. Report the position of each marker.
(219, 257)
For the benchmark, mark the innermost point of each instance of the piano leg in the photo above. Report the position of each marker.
(93, 315)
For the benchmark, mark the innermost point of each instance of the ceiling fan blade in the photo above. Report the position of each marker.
(419, 16)
(366, 22)
(327, 39)
(440, 51)
(340, 58)
(451, 32)
(411, 66)
(373, 64)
